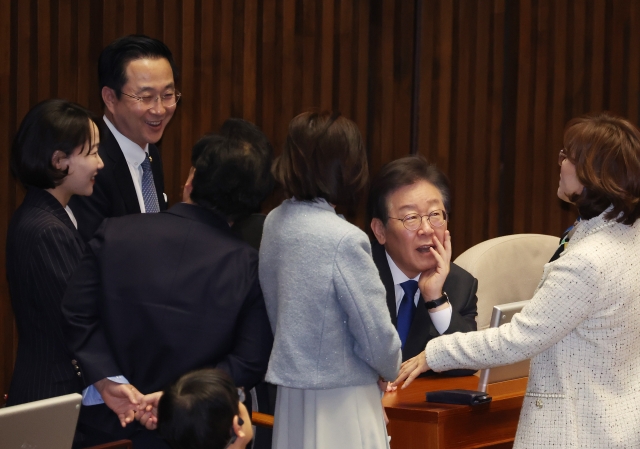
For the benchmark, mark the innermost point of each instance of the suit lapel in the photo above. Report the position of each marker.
(380, 259)
(44, 200)
(121, 171)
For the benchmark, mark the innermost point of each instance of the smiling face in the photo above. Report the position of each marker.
(410, 249)
(137, 122)
(83, 165)
(569, 183)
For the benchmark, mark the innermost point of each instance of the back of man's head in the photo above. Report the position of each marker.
(114, 58)
(233, 170)
(197, 411)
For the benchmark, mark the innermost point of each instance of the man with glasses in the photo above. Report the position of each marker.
(427, 295)
(137, 78)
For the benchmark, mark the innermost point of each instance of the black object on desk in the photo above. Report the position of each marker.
(461, 397)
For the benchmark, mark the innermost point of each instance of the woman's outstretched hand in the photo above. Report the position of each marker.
(411, 369)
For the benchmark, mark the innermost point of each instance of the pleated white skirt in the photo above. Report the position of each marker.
(349, 418)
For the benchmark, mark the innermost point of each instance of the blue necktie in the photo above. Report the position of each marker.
(149, 195)
(407, 309)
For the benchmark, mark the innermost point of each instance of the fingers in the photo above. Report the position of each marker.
(447, 244)
(411, 369)
(406, 368)
(415, 373)
(126, 417)
(440, 252)
(131, 393)
(153, 398)
(149, 420)
(444, 247)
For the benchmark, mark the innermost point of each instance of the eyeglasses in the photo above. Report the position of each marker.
(233, 436)
(562, 156)
(412, 222)
(168, 100)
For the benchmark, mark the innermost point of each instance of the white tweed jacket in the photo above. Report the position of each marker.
(582, 332)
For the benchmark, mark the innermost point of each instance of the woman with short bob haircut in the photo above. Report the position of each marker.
(582, 327)
(54, 156)
(327, 306)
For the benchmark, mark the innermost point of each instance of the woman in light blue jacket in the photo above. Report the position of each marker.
(333, 334)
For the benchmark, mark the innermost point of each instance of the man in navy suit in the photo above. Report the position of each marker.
(158, 295)
(137, 78)
(409, 207)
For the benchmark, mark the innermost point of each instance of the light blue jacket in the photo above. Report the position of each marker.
(325, 301)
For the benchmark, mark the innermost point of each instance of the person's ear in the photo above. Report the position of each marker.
(59, 160)
(237, 428)
(109, 97)
(188, 186)
(379, 230)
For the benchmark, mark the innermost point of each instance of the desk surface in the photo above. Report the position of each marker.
(414, 423)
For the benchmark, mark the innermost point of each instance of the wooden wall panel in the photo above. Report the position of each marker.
(573, 58)
(482, 88)
(460, 109)
(7, 188)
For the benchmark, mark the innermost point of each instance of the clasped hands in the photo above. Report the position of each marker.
(128, 403)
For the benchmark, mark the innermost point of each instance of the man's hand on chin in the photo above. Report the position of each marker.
(432, 281)
(124, 399)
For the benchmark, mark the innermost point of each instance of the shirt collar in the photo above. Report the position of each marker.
(132, 152)
(396, 273)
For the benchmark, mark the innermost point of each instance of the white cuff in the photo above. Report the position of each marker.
(441, 319)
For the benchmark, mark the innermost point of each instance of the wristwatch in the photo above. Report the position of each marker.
(437, 302)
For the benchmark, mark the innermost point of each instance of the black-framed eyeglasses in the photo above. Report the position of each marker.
(562, 156)
(232, 435)
(411, 222)
(168, 100)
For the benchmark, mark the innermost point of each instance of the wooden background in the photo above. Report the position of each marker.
(481, 87)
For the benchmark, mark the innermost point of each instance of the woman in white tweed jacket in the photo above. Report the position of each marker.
(582, 327)
(333, 336)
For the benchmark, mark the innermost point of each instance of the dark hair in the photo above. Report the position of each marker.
(232, 173)
(49, 126)
(404, 172)
(605, 150)
(243, 131)
(323, 157)
(114, 58)
(197, 411)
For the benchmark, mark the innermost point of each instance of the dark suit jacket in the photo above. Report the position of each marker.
(461, 288)
(249, 229)
(43, 249)
(158, 295)
(114, 194)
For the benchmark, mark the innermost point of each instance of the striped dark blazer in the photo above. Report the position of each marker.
(43, 249)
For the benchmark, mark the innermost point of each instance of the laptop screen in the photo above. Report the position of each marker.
(502, 314)
(49, 423)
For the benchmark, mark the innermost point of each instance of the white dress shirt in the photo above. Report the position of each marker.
(135, 157)
(71, 216)
(441, 319)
